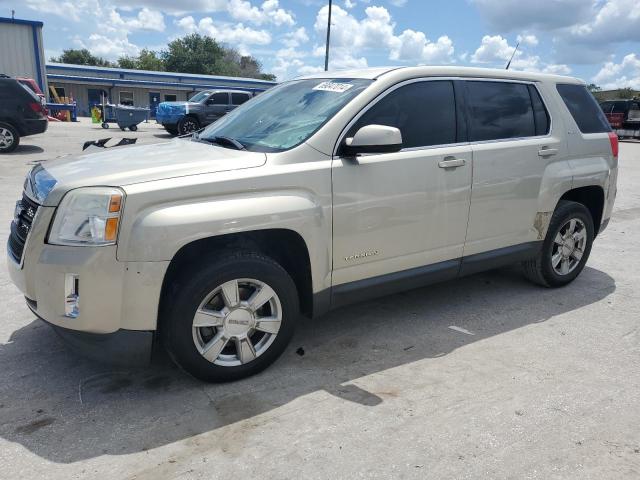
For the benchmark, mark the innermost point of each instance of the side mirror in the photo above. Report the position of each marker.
(373, 139)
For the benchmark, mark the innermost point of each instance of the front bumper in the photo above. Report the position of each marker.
(168, 119)
(115, 297)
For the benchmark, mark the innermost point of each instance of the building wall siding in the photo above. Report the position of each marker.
(18, 55)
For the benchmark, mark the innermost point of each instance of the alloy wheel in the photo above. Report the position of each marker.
(568, 246)
(237, 322)
(6, 138)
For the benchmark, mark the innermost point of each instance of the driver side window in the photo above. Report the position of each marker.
(425, 113)
(219, 99)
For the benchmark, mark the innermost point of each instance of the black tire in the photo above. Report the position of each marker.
(172, 131)
(12, 144)
(540, 269)
(105, 125)
(133, 128)
(189, 290)
(188, 124)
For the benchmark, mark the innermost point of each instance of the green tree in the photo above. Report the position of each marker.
(625, 93)
(594, 88)
(147, 60)
(81, 57)
(194, 53)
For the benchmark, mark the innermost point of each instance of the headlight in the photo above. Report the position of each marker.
(87, 217)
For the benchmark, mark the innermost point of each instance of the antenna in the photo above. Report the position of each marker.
(512, 55)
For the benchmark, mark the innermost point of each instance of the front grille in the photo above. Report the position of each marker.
(25, 212)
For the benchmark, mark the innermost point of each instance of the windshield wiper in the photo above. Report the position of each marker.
(222, 141)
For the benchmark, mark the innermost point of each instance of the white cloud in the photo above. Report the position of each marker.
(145, 20)
(268, 12)
(238, 35)
(376, 31)
(492, 49)
(619, 75)
(495, 51)
(529, 40)
(296, 38)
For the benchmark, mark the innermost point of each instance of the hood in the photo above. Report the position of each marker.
(120, 166)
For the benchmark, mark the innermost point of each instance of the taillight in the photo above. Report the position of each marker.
(613, 138)
(36, 107)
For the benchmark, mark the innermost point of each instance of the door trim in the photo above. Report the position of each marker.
(383, 285)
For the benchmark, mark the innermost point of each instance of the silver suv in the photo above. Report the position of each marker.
(323, 191)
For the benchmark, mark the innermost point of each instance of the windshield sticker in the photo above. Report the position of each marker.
(333, 87)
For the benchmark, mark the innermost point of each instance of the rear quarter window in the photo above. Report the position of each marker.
(583, 108)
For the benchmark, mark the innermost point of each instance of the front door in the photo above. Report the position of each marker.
(406, 210)
(154, 101)
(216, 106)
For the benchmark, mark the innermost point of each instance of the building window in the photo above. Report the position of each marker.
(170, 97)
(126, 98)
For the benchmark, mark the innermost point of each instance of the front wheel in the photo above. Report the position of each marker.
(9, 138)
(231, 317)
(566, 247)
(188, 125)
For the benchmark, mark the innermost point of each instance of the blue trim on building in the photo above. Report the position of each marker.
(116, 82)
(36, 50)
(17, 21)
(145, 73)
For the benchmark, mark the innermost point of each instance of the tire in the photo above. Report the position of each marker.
(172, 131)
(133, 128)
(201, 289)
(9, 138)
(188, 124)
(105, 125)
(545, 269)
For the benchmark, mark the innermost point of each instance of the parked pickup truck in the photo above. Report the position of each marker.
(624, 116)
(323, 191)
(181, 118)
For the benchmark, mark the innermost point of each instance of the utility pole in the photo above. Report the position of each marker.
(326, 55)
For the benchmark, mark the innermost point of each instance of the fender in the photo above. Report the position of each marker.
(155, 229)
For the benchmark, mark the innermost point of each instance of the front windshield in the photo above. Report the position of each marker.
(285, 115)
(198, 97)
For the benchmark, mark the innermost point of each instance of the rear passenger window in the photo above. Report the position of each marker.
(219, 99)
(500, 110)
(584, 108)
(239, 98)
(425, 113)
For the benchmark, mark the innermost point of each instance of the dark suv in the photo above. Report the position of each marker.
(21, 113)
(202, 109)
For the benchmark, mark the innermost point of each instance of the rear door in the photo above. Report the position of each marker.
(216, 106)
(238, 98)
(513, 143)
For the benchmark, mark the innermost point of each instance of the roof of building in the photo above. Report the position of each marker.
(95, 71)
(18, 21)
(376, 72)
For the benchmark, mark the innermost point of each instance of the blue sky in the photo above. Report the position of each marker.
(597, 40)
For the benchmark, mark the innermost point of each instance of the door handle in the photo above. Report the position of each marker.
(451, 162)
(547, 152)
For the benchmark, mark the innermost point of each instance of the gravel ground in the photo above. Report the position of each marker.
(485, 377)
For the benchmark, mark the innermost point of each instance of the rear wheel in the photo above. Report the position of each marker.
(231, 318)
(188, 125)
(566, 247)
(9, 138)
(133, 128)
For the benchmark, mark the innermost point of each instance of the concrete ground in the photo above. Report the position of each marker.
(485, 377)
